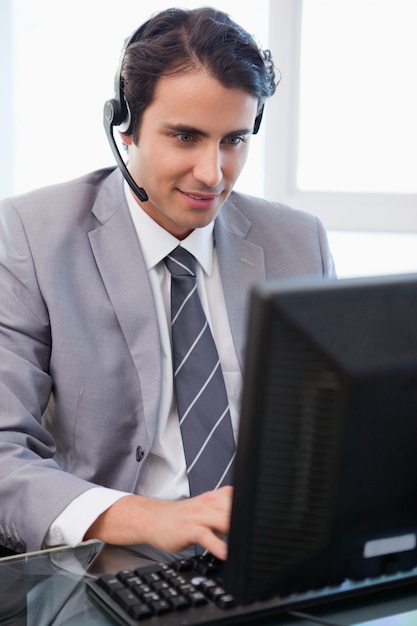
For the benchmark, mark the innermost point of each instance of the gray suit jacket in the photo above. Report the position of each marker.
(80, 371)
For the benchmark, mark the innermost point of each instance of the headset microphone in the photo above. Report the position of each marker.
(110, 119)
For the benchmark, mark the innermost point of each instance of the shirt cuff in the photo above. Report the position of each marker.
(71, 525)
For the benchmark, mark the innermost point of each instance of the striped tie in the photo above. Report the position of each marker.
(202, 402)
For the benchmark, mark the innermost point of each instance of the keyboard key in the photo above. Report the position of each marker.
(151, 577)
(183, 565)
(178, 603)
(140, 590)
(126, 574)
(226, 601)
(126, 599)
(159, 607)
(150, 597)
(196, 598)
(168, 572)
(110, 583)
(186, 589)
(159, 585)
(140, 611)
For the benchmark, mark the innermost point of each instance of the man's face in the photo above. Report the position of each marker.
(193, 143)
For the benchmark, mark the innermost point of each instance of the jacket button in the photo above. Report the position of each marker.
(140, 453)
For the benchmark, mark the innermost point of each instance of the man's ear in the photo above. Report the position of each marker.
(127, 139)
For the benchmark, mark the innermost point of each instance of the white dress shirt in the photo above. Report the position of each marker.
(164, 472)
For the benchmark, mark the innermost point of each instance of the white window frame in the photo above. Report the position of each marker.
(377, 212)
(6, 107)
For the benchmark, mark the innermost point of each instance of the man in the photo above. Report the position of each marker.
(90, 441)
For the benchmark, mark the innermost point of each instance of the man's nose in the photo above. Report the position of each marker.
(208, 167)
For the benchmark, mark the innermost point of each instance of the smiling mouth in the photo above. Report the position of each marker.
(199, 196)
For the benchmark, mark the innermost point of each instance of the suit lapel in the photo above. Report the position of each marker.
(241, 265)
(121, 265)
(122, 269)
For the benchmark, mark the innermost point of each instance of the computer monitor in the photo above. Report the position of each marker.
(326, 468)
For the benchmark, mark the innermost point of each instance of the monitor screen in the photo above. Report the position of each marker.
(326, 468)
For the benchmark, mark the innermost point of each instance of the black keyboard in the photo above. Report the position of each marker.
(183, 592)
(190, 592)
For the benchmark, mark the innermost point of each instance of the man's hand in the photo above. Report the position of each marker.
(166, 525)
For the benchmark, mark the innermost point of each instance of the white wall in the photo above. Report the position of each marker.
(371, 254)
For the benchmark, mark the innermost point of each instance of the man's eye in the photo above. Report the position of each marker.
(235, 140)
(184, 137)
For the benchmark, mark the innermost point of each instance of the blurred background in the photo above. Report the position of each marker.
(338, 139)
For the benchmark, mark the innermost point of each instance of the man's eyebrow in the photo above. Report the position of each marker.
(191, 130)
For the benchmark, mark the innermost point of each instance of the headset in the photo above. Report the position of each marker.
(116, 112)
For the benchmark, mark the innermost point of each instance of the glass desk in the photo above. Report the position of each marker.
(49, 588)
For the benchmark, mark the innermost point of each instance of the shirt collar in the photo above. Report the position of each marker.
(156, 242)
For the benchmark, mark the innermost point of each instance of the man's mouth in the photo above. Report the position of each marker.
(200, 196)
(200, 200)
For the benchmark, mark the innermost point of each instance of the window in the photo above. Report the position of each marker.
(358, 99)
(343, 131)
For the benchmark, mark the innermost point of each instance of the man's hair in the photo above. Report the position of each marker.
(176, 41)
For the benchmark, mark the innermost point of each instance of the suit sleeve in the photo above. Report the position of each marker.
(31, 483)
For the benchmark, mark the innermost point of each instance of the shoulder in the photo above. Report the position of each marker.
(54, 217)
(74, 194)
(259, 209)
(264, 218)
(293, 241)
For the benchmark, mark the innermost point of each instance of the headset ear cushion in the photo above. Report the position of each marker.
(125, 123)
(118, 115)
(111, 112)
(258, 121)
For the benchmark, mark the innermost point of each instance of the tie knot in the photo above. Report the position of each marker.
(180, 262)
